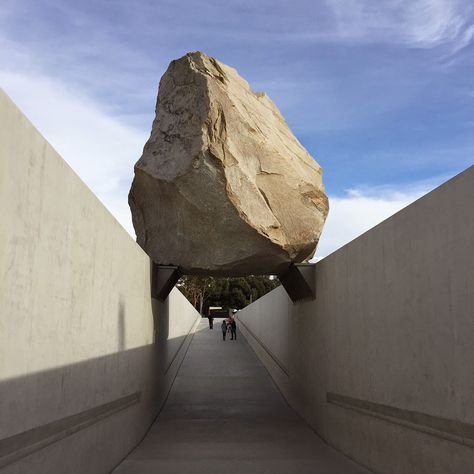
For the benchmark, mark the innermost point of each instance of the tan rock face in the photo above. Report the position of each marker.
(223, 186)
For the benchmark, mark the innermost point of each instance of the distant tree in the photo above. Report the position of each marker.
(195, 288)
(234, 292)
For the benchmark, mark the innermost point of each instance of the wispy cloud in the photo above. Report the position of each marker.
(415, 23)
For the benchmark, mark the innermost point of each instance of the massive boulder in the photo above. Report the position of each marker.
(223, 186)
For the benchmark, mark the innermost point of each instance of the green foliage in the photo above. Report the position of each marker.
(235, 292)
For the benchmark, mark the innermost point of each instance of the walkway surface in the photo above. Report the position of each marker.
(224, 415)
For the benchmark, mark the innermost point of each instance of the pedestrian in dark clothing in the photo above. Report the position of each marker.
(211, 322)
(224, 329)
(233, 329)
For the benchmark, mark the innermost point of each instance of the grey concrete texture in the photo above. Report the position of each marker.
(392, 324)
(78, 328)
(224, 414)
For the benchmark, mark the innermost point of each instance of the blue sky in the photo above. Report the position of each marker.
(380, 93)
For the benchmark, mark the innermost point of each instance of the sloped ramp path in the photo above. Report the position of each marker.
(225, 415)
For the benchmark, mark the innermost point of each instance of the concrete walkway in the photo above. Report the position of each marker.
(224, 415)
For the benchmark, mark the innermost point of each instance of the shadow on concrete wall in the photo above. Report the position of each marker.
(108, 401)
(80, 390)
(47, 407)
(161, 321)
(121, 330)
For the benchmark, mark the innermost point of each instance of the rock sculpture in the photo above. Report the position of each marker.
(223, 186)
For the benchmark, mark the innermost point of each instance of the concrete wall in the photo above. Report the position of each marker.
(86, 357)
(381, 364)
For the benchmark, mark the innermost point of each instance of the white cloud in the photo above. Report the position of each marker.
(100, 148)
(361, 209)
(431, 22)
(414, 23)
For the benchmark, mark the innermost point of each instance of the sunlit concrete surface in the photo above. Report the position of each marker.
(225, 415)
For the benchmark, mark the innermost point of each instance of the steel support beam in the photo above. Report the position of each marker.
(163, 279)
(299, 281)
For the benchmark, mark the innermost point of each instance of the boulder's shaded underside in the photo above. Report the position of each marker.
(223, 186)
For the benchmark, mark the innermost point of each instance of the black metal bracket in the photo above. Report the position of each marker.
(163, 279)
(299, 281)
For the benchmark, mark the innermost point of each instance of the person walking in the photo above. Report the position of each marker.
(224, 329)
(233, 329)
(211, 322)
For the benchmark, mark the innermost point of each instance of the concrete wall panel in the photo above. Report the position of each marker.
(78, 329)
